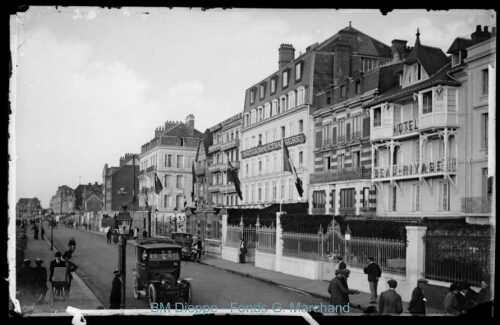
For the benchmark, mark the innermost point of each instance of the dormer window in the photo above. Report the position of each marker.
(262, 90)
(273, 84)
(414, 73)
(342, 91)
(252, 96)
(298, 71)
(456, 58)
(285, 78)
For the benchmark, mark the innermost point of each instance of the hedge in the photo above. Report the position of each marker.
(267, 216)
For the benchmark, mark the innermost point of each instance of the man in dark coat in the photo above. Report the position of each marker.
(144, 233)
(451, 305)
(108, 236)
(342, 265)
(26, 280)
(390, 302)
(199, 247)
(40, 273)
(374, 273)
(116, 291)
(417, 303)
(338, 289)
(42, 233)
(35, 229)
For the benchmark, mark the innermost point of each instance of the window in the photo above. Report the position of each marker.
(357, 87)
(260, 166)
(341, 162)
(487, 185)
(301, 158)
(392, 198)
(252, 95)
(290, 189)
(356, 159)
(328, 98)
(291, 99)
(259, 192)
(262, 91)
(484, 131)
(301, 126)
(266, 191)
(395, 155)
(327, 163)
(273, 85)
(416, 151)
(260, 139)
(282, 107)
(168, 181)
(355, 126)
(285, 78)
(253, 192)
(282, 189)
(298, 71)
(319, 199)
(427, 102)
(377, 117)
(444, 196)
(366, 197)
(341, 131)
(274, 110)
(301, 93)
(455, 59)
(485, 83)
(179, 203)
(342, 91)
(180, 161)
(275, 164)
(282, 132)
(179, 183)
(347, 198)
(416, 198)
(168, 161)
(167, 203)
(268, 165)
(274, 191)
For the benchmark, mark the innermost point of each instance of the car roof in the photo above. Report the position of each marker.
(153, 246)
(156, 243)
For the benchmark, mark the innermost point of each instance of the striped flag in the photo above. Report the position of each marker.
(158, 186)
(288, 166)
(232, 176)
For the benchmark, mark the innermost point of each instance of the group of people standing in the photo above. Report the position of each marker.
(114, 234)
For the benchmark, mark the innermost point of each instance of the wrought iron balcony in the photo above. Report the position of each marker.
(150, 169)
(478, 205)
(347, 211)
(200, 171)
(336, 175)
(214, 168)
(231, 144)
(214, 147)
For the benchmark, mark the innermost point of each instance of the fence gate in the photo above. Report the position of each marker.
(333, 245)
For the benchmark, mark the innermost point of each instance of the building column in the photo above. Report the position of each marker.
(279, 245)
(415, 256)
(224, 228)
(446, 139)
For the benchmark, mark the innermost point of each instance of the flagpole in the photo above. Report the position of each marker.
(283, 166)
(227, 177)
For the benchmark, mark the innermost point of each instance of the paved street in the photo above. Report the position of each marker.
(211, 286)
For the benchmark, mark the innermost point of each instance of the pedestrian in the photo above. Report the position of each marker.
(108, 236)
(136, 232)
(115, 236)
(342, 265)
(144, 233)
(390, 302)
(71, 267)
(26, 281)
(116, 291)
(40, 274)
(130, 233)
(467, 300)
(484, 294)
(374, 273)
(72, 245)
(42, 233)
(35, 229)
(451, 306)
(243, 250)
(417, 303)
(339, 290)
(199, 247)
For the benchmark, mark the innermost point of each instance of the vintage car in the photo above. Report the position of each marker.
(185, 240)
(157, 273)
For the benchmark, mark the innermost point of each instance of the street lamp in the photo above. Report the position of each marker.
(52, 230)
(175, 219)
(156, 221)
(347, 237)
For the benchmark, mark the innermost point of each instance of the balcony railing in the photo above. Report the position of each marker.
(479, 204)
(230, 144)
(150, 169)
(235, 164)
(200, 171)
(214, 147)
(141, 172)
(348, 211)
(341, 138)
(214, 168)
(417, 169)
(214, 188)
(341, 175)
(355, 135)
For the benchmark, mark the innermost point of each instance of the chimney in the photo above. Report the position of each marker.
(286, 55)
(476, 36)
(493, 31)
(122, 161)
(190, 124)
(398, 49)
(486, 33)
(342, 62)
(158, 131)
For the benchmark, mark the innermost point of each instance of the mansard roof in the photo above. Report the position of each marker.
(431, 58)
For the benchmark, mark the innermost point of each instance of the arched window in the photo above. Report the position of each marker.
(275, 107)
(291, 100)
(267, 110)
(301, 94)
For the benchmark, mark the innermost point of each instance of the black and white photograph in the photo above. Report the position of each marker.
(251, 162)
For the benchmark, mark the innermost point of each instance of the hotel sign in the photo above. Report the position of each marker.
(405, 127)
(226, 122)
(413, 169)
(273, 146)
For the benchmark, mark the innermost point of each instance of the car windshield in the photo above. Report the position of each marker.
(163, 254)
(183, 237)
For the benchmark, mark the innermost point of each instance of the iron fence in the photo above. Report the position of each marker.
(480, 204)
(302, 245)
(457, 258)
(235, 233)
(266, 239)
(213, 247)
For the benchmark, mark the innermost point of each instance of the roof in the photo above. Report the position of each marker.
(459, 44)
(180, 129)
(431, 58)
(156, 243)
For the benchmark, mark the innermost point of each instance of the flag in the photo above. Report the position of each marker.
(134, 199)
(146, 200)
(158, 186)
(288, 166)
(194, 181)
(185, 202)
(232, 176)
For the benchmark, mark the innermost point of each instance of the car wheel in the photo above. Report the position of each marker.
(137, 294)
(152, 294)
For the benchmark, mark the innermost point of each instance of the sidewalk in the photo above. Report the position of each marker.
(316, 288)
(80, 296)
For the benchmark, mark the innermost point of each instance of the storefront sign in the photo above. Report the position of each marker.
(226, 122)
(405, 127)
(273, 146)
(411, 169)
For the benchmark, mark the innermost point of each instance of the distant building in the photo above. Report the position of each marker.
(27, 207)
(80, 192)
(170, 154)
(64, 200)
(92, 198)
(118, 185)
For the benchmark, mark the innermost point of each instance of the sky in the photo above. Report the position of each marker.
(91, 84)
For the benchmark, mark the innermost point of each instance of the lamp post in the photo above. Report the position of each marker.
(347, 237)
(122, 262)
(175, 219)
(156, 221)
(52, 230)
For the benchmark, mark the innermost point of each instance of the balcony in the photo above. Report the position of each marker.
(229, 188)
(214, 147)
(341, 175)
(150, 169)
(200, 171)
(426, 168)
(347, 211)
(439, 119)
(214, 188)
(318, 211)
(214, 168)
(235, 164)
(476, 205)
(141, 172)
(356, 135)
(231, 144)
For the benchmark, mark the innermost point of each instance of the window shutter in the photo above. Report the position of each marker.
(366, 127)
(348, 132)
(319, 137)
(334, 135)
